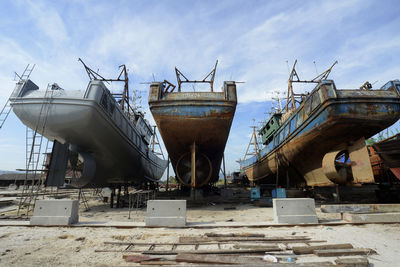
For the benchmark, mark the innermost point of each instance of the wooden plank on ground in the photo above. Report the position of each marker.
(258, 246)
(141, 258)
(216, 259)
(158, 263)
(138, 258)
(220, 251)
(352, 262)
(234, 235)
(343, 252)
(310, 249)
(197, 239)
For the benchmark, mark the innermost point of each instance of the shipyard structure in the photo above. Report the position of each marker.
(194, 126)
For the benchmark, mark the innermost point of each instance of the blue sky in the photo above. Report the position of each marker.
(252, 40)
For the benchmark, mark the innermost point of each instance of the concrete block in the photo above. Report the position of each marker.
(372, 217)
(167, 213)
(294, 210)
(55, 212)
(226, 193)
(12, 187)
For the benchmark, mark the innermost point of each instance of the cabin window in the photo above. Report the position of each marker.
(270, 146)
(282, 138)
(111, 108)
(272, 122)
(307, 106)
(387, 86)
(330, 90)
(316, 100)
(293, 124)
(107, 103)
(104, 101)
(300, 117)
(287, 130)
(277, 139)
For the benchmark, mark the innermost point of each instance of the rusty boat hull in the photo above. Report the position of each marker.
(341, 119)
(194, 120)
(386, 156)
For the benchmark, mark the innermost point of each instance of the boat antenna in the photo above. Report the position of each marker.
(278, 99)
(315, 65)
(208, 79)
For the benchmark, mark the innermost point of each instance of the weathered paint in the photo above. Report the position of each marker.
(203, 118)
(338, 120)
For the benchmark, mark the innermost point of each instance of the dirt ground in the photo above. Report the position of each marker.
(75, 246)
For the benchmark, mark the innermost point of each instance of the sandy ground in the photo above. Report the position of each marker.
(75, 246)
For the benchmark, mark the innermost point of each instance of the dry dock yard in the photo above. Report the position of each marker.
(216, 232)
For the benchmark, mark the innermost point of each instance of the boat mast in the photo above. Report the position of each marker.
(122, 98)
(209, 76)
(253, 141)
(294, 78)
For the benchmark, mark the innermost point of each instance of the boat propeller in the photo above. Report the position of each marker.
(83, 168)
(336, 166)
(203, 169)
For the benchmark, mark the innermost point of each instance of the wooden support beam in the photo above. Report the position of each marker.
(343, 252)
(233, 235)
(352, 262)
(310, 249)
(195, 239)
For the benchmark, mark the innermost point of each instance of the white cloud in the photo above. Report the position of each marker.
(48, 20)
(252, 40)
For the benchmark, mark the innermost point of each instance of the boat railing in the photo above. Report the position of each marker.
(163, 91)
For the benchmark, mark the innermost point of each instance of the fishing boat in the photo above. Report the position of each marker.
(385, 157)
(101, 136)
(194, 126)
(313, 131)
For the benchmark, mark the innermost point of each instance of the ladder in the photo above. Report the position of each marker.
(7, 107)
(34, 146)
(82, 199)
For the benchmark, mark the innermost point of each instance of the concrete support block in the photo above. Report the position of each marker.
(372, 217)
(12, 187)
(294, 210)
(55, 212)
(167, 213)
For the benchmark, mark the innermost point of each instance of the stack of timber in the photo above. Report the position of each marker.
(245, 249)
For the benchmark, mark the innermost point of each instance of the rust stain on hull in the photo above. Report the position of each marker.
(339, 121)
(199, 118)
